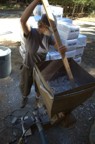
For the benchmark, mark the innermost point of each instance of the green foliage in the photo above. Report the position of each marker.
(70, 6)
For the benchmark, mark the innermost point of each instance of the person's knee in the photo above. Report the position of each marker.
(26, 81)
(24, 91)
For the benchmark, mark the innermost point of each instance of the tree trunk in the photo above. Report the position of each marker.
(82, 9)
(73, 12)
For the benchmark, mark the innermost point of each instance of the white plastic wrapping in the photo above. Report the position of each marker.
(70, 44)
(67, 30)
(64, 19)
(56, 55)
(56, 10)
(37, 10)
(81, 41)
(78, 60)
(79, 52)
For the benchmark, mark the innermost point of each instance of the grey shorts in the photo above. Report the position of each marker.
(26, 80)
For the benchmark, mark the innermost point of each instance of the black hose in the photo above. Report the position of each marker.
(43, 137)
(41, 131)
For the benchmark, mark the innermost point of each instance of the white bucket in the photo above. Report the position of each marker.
(5, 61)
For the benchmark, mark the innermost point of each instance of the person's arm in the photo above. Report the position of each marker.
(53, 42)
(26, 14)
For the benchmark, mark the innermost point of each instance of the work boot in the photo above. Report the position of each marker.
(24, 102)
(37, 96)
(39, 102)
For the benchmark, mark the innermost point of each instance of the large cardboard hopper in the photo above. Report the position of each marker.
(68, 100)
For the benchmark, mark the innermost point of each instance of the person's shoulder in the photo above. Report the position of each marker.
(31, 33)
(33, 30)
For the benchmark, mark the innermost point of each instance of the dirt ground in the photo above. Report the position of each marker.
(10, 96)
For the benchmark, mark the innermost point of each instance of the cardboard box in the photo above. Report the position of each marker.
(65, 101)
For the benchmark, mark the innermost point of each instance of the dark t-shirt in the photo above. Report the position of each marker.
(36, 46)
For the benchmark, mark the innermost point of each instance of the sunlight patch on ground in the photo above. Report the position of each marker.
(88, 32)
(10, 29)
(5, 32)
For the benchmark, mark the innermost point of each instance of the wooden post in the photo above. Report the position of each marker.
(59, 44)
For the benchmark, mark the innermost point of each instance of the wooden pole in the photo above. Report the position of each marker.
(59, 44)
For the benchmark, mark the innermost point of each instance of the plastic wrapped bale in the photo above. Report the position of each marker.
(37, 10)
(78, 60)
(64, 19)
(70, 44)
(67, 30)
(79, 52)
(54, 55)
(81, 41)
(56, 10)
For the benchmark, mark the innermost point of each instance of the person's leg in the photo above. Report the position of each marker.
(42, 58)
(37, 92)
(25, 84)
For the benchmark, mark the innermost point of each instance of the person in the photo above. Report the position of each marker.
(37, 41)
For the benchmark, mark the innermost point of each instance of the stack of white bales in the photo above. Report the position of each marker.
(69, 33)
(71, 38)
(56, 10)
(81, 44)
